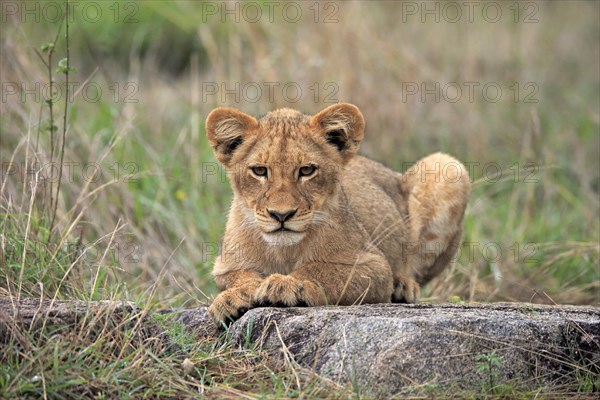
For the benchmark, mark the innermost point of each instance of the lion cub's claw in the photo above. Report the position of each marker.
(230, 305)
(280, 291)
(406, 290)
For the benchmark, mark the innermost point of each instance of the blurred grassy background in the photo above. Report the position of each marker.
(158, 209)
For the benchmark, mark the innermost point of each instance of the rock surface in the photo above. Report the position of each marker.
(393, 349)
(383, 349)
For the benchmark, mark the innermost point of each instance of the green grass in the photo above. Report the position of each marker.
(148, 228)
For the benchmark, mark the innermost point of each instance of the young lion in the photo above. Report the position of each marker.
(313, 224)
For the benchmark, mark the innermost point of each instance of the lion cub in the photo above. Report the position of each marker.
(313, 224)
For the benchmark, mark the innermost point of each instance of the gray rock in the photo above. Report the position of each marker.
(390, 349)
(197, 321)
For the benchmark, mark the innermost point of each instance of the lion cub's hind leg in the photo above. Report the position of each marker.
(406, 290)
(438, 188)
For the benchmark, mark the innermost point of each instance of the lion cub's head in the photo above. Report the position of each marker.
(285, 168)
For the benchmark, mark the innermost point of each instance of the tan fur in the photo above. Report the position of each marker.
(358, 232)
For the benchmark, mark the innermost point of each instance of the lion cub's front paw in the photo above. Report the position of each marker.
(406, 290)
(230, 305)
(283, 290)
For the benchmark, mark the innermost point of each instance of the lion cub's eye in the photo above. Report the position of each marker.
(307, 170)
(259, 171)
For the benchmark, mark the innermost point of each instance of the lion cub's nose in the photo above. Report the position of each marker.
(281, 216)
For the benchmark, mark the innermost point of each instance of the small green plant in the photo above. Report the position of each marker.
(63, 67)
(533, 311)
(176, 332)
(455, 300)
(248, 343)
(488, 367)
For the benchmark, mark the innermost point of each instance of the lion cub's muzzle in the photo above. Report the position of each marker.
(281, 221)
(283, 226)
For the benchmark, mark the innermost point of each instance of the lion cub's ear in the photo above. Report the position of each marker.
(343, 127)
(226, 129)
